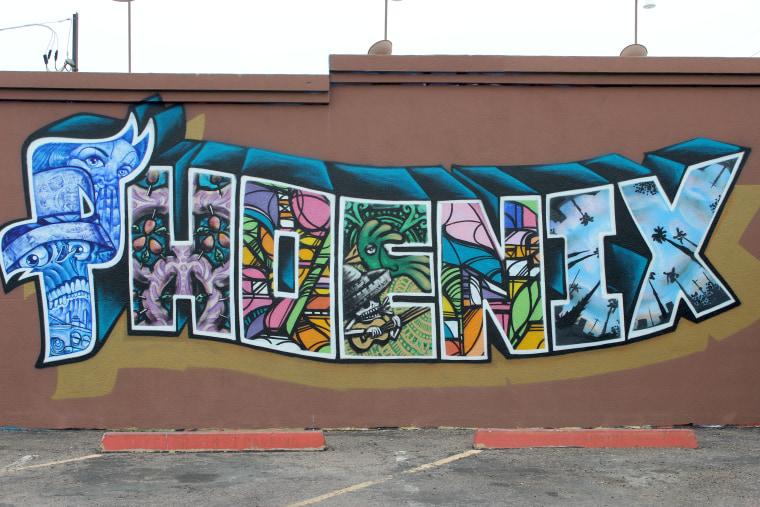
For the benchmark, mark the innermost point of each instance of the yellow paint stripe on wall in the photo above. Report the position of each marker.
(741, 270)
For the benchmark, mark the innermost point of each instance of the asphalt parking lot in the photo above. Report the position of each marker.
(381, 467)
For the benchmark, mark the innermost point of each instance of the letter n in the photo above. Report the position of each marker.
(485, 275)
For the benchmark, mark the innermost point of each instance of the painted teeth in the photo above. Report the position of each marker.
(78, 288)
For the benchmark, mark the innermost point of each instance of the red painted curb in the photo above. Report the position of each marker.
(214, 441)
(515, 439)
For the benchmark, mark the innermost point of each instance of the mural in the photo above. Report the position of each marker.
(589, 313)
(383, 316)
(286, 239)
(482, 274)
(330, 261)
(76, 189)
(163, 270)
(675, 229)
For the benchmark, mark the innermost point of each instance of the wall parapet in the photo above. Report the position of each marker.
(187, 88)
(544, 70)
(365, 69)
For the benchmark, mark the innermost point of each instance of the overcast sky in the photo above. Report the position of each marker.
(296, 36)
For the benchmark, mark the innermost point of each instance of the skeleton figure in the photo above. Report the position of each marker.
(370, 321)
(76, 188)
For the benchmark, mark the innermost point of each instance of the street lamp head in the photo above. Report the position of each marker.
(383, 47)
(649, 4)
(634, 50)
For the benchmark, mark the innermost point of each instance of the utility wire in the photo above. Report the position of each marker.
(51, 50)
(45, 23)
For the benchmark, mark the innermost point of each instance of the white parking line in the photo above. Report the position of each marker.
(82, 458)
(386, 478)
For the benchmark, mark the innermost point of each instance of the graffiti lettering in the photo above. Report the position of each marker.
(675, 231)
(76, 190)
(164, 270)
(589, 313)
(285, 272)
(354, 263)
(376, 274)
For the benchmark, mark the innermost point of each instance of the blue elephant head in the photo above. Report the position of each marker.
(76, 187)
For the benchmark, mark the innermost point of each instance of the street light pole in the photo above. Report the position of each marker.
(384, 46)
(636, 22)
(637, 49)
(129, 31)
(129, 35)
(75, 42)
(385, 33)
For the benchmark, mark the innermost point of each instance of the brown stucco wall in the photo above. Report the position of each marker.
(411, 111)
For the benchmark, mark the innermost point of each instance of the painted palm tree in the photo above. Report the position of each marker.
(612, 304)
(570, 265)
(663, 311)
(574, 287)
(660, 236)
(672, 277)
(570, 317)
(585, 217)
(724, 166)
(681, 236)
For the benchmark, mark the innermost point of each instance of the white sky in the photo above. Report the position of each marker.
(296, 36)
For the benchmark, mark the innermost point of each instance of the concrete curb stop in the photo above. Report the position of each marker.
(198, 441)
(522, 438)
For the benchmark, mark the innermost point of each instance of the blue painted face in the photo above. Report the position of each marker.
(96, 168)
(77, 190)
(63, 265)
(111, 159)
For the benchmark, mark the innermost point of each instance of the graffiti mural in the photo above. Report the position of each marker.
(163, 270)
(481, 275)
(329, 261)
(675, 227)
(76, 187)
(286, 239)
(589, 314)
(380, 268)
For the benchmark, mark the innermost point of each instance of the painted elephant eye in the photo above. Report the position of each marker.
(80, 249)
(94, 161)
(370, 249)
(36, 258)
(123, 171)
(89, 157)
